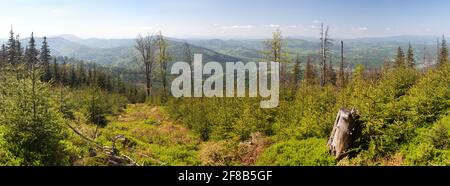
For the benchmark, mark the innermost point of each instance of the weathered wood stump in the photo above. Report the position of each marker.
(344, 133)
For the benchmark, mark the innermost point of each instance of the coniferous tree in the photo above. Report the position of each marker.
(34, 125)
(11, 48)
(81, 73)
(3, 54)
(330, 73)
(19, 49)
(400, 58)
(96, 107)
(73, 77)
(31, 54)
(438, 51)
(109, 84)
(188, 53)
(310, 72)
(55, 72)
(410, 61)
(189, 57)
(45, 58)
(64, 74)
(443, 55)
(297, 72)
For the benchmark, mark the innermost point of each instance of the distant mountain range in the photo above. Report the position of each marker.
(369, 51)
(121, 52)
(117, 52)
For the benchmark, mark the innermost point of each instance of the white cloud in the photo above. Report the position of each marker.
(215, 25)
(316, 21)
(292, 26)
(363, 28)
(238, 27)
(274, 26)
(388, 29)
(360, 29)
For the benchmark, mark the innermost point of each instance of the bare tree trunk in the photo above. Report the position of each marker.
(324, 49)
(146, 49)
(344, 131)
(341, 69)
(148, 80)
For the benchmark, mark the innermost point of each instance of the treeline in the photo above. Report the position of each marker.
(68, 72)
(43, 100)
(77, 74)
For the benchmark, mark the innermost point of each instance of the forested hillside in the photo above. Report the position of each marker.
(120, 52)
(76, 111)
(117, 52)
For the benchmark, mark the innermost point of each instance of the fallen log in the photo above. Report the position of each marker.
(345, 130)
(115, 158)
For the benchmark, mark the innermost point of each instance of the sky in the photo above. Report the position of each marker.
(224, 18)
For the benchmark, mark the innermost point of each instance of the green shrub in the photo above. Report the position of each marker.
(424, 154)
(309, 152)
(439, 134)
(429, 99)
(34, 127)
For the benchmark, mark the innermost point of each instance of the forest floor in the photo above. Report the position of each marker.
(150, 137)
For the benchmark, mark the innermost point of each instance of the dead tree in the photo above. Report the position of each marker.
(146, 48)
(345, 130)
(325, 44)
(342, 80)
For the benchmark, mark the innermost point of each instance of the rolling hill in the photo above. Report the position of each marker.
(121, 52)
(369, 51)
(117, 52)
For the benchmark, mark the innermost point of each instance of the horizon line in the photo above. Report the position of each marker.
(235, 37)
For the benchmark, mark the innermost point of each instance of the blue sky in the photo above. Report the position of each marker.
(225, 18)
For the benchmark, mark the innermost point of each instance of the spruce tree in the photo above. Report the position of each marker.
(45, 58)
(3, 54)
(310, 72)
(19, 49)
(11, 48)
(443, 56)
(331, 74)
(81, 73)
(297, 72)
(96, 106)
(55, 72)
(410, 61)
(400, 58)
(34, 126)
(31, 54)
(73, 77)
(63, 76)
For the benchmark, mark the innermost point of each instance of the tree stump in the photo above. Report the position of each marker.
(344, 133)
